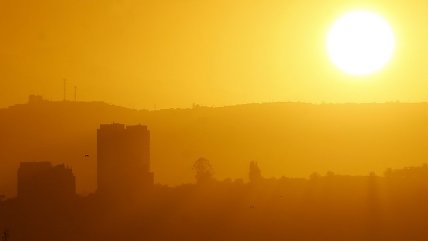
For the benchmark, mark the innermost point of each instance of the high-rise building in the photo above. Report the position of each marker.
(123, 164)
(41, 181)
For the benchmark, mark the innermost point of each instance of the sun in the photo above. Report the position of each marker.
(360, 43)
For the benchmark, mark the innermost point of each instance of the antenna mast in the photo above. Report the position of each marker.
(65, 89)
(75, 93)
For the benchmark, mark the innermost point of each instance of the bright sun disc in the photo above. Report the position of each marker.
(360, 43)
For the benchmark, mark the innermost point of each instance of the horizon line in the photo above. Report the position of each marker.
(196, 105)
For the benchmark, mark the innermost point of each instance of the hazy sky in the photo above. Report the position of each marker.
(212, 52)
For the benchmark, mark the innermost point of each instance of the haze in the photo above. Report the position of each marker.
(162, 54)
(210, 120)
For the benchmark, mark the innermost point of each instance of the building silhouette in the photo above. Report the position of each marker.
(123, 164)
(41, 181)
(35, 99)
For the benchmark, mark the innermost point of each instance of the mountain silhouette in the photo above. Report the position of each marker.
(292, 139)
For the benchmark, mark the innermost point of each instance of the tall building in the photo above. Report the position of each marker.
(40, 181)
(123, 164)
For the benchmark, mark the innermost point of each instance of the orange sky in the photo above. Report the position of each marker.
(213, 52)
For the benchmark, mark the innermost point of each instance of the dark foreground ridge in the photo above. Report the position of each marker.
(330, 207)
(129, 206)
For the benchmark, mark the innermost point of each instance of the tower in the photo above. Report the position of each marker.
(123, 162)
(65, 89)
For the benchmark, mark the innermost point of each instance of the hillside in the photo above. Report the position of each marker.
(291, 139)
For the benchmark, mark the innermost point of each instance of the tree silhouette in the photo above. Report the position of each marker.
(204, 171)
(255, 174)
(314, 176)
(5, 235)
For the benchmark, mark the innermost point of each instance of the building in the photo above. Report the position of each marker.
(35, 99)
(123, 164)
(42, 181)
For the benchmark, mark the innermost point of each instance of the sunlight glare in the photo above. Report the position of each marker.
(360, 43)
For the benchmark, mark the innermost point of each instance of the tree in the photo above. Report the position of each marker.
(255, 174)
(5, 235)
(204, 170)
(314, 176)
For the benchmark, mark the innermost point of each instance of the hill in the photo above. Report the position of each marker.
(290, 139)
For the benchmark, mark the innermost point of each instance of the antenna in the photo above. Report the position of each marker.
(65, 88)
(75, 93)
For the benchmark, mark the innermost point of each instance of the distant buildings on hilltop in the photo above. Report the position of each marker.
(35, 99)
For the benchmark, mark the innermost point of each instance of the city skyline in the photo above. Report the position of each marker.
(48, 208)
(214, 120)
